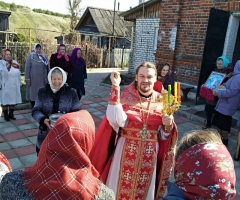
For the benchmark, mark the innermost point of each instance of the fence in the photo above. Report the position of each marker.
(94, 57)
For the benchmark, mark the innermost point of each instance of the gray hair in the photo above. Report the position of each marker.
(56, 71)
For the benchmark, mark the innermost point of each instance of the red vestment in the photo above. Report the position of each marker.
(139, 158)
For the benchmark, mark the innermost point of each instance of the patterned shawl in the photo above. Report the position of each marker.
(206, 171)
(4, 166)
(41, 56)
(62, 55)
(63, 169)
(10, 63)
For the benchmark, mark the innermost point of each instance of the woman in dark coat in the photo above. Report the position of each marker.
(223, 66)
(164, 77)
(55, 97)
(62, 60)
(79, 76)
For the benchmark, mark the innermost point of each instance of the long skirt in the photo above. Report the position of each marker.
(223, 122)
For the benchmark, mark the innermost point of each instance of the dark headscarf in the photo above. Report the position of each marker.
(74, 57)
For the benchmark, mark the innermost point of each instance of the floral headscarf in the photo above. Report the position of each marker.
(59, 53)
(41, 55)
(63, 169)
(10, 63)
(4, 166)
(206, 171)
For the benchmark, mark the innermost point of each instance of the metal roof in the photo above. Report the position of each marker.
(138, 7)
(103, 19)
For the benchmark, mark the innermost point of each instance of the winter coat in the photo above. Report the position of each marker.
(47, 103)
(174, 193)
(10, 93)
(78, 76)
(36, 74)
(229, 99)
(67, 66)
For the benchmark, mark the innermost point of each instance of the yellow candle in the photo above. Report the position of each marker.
(175, 92)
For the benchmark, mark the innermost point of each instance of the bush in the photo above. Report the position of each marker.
(4, 5)
(20, 38)
(13, 7)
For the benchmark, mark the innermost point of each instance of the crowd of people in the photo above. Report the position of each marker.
(135, 148)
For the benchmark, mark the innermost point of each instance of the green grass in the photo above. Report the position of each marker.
(23, 90)
(26, 18)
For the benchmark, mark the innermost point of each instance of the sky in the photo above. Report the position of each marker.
(60, 6)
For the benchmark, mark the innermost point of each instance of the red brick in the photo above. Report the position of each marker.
(13, 136)
(30, 132)
(2, 139)
(20, 122)
(9, 153)
(22, 151)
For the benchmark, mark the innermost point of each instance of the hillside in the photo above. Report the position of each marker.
(26, 18)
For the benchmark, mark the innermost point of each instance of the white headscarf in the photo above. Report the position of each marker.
(41, 56)
(64, 76)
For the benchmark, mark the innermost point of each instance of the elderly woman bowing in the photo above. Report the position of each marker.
(36, 71)
(55, 97)
(63, 169)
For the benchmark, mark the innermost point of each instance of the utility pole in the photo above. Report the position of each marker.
(29, 39)
(114, 17)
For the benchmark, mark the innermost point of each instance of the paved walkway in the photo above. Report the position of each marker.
(18, 138)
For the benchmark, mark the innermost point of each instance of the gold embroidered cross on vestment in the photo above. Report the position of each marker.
(144, 132)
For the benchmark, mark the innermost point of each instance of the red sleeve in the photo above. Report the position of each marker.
(103, 146)
(158, 86)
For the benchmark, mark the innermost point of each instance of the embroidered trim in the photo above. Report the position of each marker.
(136, 138)
(114, 95)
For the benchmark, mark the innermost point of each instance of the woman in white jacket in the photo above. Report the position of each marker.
(10, 84)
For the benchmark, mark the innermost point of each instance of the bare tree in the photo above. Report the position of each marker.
(74, 9)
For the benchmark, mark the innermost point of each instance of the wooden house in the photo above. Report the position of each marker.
(4, 25)
(105, 28)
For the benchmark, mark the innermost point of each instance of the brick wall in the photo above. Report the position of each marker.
(189, 20)
(142, 46)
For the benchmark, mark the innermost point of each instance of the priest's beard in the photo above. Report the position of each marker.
(145, 88)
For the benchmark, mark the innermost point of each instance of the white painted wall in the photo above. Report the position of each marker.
(143, 42)
(231, 35)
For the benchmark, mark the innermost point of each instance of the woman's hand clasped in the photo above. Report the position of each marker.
(215, 92)
(47, 122)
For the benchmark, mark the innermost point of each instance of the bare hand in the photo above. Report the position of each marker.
(47, 122)
(215, 92)
(115, 78)
(167, 120)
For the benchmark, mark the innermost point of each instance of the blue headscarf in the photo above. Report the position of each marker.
(224, 60)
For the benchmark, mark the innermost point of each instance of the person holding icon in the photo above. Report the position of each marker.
(228, 102)
(225, 67)
(134, 147)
